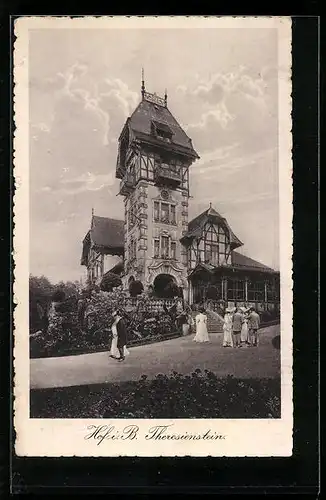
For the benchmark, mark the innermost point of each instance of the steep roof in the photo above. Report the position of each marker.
(197, 224)
(105, 234)
(239, 260)
(147, 112)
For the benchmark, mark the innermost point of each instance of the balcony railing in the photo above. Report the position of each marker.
(166, 220)
(164, 174)
(164, 256)
(127, 185)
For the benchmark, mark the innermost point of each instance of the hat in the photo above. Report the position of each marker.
(228, 310)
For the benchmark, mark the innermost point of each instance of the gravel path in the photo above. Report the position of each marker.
(180, 354)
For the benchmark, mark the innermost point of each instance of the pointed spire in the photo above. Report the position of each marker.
(210, 211)
(142, 83)
(92, 212)
(166, 98)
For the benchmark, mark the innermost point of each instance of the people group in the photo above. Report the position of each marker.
(119, 337)
(240, 327)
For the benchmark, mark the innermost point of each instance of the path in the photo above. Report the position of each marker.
(180, 354)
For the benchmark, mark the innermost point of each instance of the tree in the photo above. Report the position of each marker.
(110, 281)
(40, 293)
(69, 288)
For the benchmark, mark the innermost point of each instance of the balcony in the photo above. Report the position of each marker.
(166, 175)
(127, 185)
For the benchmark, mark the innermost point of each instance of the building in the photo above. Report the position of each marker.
(157, 243)
(103, 248)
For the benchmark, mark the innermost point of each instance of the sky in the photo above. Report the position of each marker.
(83, 84)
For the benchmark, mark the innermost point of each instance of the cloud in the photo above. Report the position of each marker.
(237, 107)
(87, 182)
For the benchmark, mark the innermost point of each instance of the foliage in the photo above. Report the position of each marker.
(66, 335)
(136, 288)
(110, 281)
(197, 395)
(42, 292)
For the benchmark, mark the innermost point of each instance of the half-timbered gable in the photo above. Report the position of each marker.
(218, 272)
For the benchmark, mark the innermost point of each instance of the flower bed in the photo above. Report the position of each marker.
(198, 395)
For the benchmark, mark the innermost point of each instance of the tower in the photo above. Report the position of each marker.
(154, 156)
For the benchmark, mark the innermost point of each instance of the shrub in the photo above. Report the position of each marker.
(66, 336)
(110, 281)
(135, 288)
(197, 395)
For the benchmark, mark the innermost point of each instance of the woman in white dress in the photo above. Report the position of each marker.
(201, 327)
(244, 337)
(227, 329)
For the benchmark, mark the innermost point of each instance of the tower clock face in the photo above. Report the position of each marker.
(165, 194)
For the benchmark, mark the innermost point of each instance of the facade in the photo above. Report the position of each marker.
(155, 242)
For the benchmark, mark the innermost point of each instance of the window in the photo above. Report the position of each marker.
(164, 248)
(215, 247)
(156, 249)
(211, 253)
(156, 211)
(236, 289)
(172, 214)
(164, 212)
(256, 291)
(162, 131)
(173, 250)
(272, 291)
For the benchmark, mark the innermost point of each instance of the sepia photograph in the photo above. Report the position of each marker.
(157, 267)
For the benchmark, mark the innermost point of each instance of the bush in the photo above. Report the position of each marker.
(197, 395)
(110, 281)
(136, 288)
(67, 337)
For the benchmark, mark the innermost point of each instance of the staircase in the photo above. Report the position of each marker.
(214, 321)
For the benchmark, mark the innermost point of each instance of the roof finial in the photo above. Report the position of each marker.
(92, 211)
(166, 98)
(210, 204)
(142, 83)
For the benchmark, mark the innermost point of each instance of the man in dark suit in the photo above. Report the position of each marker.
(121, 334)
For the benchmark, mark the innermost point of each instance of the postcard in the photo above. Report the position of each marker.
(153, 236)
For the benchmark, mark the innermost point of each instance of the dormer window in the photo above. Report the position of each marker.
(162, 131)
